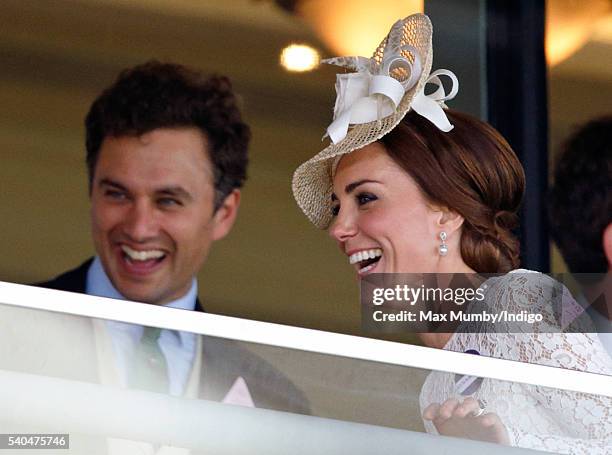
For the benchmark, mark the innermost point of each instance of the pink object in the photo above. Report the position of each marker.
(239, 394)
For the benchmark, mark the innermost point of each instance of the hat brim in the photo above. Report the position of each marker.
(312, 180)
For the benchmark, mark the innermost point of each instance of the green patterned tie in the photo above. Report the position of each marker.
(149, 370)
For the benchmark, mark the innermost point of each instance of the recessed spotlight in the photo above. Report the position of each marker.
(299, 58)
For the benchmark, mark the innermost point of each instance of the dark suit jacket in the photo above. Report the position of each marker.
(223, 361)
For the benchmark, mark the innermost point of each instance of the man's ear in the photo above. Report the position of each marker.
(448, 220)
(224, 217)
(607, 244)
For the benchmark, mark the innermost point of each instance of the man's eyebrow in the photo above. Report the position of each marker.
(177, 191)
(109, 182)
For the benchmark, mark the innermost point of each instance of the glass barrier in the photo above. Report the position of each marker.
(69, 372)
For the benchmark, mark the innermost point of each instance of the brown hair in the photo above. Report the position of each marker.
(167, 95)
(580, 203)
(471, 170)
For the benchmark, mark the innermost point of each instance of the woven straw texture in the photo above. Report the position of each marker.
(312, 181)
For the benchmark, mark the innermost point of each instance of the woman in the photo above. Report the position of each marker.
(412, 188)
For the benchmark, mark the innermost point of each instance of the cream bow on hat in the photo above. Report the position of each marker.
(374, 99)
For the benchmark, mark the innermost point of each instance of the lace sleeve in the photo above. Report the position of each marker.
(542, 342)
(559, 444)
(539, 417)
(585, 419)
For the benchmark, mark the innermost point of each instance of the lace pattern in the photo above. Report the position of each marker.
(535, 417)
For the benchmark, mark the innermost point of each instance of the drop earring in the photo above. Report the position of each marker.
(443, 248)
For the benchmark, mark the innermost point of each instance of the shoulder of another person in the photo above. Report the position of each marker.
(73, 280)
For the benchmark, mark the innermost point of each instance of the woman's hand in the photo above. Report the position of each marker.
(453, 418)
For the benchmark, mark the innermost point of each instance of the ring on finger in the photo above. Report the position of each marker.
(481, 409)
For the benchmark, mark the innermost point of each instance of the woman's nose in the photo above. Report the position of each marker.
(343, 227)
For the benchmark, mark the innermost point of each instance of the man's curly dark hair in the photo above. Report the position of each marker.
(165, 95)
(581, 200)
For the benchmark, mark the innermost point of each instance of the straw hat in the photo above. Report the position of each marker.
(374, 99)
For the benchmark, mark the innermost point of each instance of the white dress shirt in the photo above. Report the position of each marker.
(179, 348)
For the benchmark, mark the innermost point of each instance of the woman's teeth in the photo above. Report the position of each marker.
(367, 268)
(364, 255)
(142, 255)
(365, 260)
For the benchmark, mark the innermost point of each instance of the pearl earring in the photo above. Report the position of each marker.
(443, 248)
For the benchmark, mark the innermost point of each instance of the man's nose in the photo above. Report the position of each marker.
(343, 227)
(140, 223)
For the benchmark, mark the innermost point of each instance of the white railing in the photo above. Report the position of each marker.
(304, 339)
(83, 410)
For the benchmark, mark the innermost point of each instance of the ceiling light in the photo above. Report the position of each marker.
(569, 25)
(355, 27)
(299, 58)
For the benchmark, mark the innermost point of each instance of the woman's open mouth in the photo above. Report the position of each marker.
(365, 260)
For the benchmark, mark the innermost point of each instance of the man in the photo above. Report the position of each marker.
(581, 216)
(166, 158)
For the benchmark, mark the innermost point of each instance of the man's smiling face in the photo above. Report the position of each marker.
(152, 212)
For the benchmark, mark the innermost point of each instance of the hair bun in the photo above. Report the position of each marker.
(504, 219)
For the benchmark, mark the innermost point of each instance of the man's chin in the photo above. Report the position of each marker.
(142, 295)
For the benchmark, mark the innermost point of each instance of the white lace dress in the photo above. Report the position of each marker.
(535, 417)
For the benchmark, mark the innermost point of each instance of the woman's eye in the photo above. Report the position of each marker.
(364, 198)
(335, 210)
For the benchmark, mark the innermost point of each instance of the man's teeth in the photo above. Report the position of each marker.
(142, 255)
(363, 255)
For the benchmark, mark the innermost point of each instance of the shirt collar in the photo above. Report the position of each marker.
(100, 285)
